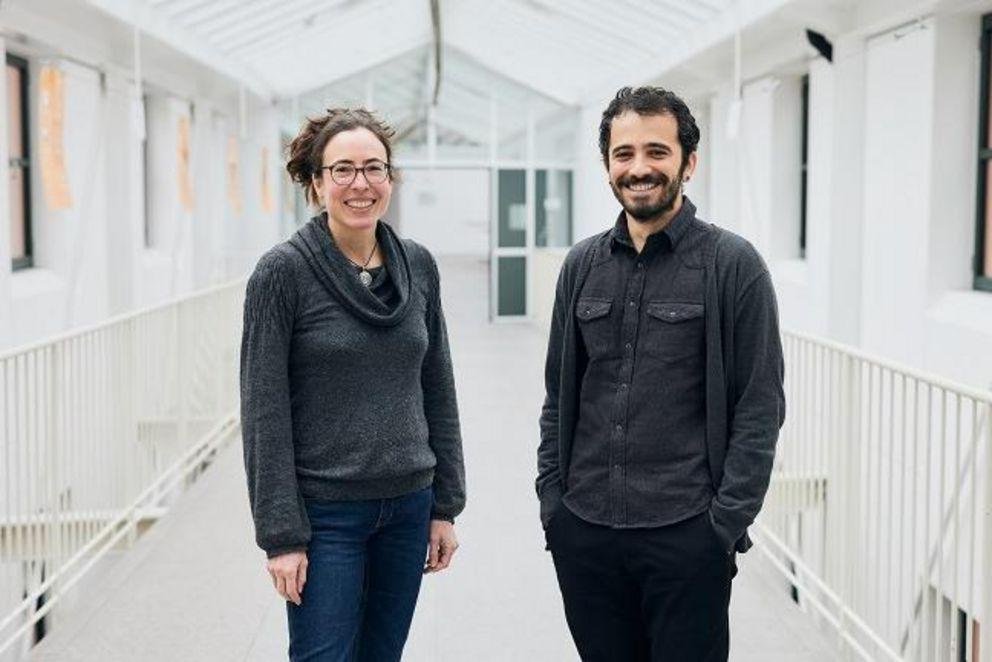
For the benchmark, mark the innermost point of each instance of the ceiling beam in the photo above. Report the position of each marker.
(470, 130)
(707, 34)
(663, 13)
(525, 19)
(284, 23)
(173, 7)
(593, 19)
(156, 24)
(317, 35)
(642, 34)
(268, 18)
(196, 16)
(436, 30)
(480, 57)
(385, 59)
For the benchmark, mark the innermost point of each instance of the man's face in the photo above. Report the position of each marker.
(645, 164)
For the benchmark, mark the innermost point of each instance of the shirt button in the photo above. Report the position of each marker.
(640, 265)
(631, 303)
(627, 346)
(623, 386)
(619, 428)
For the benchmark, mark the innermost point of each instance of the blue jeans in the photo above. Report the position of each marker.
(366, 559)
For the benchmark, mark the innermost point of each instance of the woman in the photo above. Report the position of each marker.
(351, 435)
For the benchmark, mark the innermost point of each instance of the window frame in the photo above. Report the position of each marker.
(146, 178)
(982, 281)
(27, 261)
(804, 165)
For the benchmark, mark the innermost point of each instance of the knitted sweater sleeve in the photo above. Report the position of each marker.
(441, 409)
(281, 523)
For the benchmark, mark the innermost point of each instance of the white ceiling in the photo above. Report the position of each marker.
(516, 60)
(471, 96)
(560, 47)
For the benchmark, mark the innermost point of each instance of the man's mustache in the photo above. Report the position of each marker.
(629, 181)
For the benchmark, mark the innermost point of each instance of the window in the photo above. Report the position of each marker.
(804, 167)
(553, 211)
(983, 226)
(18, 158)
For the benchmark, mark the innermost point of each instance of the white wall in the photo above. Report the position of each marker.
(837, 133)
(165, 261)
(68, 284)
(957, 319)
(595, 207)
(898, 156)
(447, 210)
(891, 176)
(91, 260)
(698, 188)
(253, 230)
(805, 284)
(722, 165)
(123, 188)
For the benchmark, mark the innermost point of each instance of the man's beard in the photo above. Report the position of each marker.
(649, 210)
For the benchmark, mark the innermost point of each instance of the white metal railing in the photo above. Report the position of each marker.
(99, 430)
(880, 507)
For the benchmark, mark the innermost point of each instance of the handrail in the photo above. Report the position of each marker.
(983, 395)
(79, 331)
(105, 419)
(883, 526)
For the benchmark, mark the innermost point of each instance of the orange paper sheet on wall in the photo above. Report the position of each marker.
(267, 204)
(182, 171)
(233, 175)
(54, 179)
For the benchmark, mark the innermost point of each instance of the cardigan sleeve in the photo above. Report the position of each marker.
(758, 409)
(548, 484)
(281, 523)
(441, 409)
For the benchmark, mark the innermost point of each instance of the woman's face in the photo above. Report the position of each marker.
(357, 204)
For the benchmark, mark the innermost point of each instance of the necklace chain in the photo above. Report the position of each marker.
(364, 276)
(363, 267)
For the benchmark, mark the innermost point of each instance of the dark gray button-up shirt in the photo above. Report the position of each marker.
(639, 456)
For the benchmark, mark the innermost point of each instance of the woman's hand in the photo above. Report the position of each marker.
(289, 574)
(441, 546)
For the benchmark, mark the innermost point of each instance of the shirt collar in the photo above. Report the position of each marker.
(671, 234)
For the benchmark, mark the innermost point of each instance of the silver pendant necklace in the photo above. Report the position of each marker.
(364, 276)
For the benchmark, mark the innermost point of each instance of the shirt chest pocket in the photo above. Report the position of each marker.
(674, 332)
(593, 315)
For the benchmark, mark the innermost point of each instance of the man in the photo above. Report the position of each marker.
(664, 401)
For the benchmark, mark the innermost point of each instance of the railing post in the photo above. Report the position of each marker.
(130, 389)
(56, 469)
(835, 493)
(182, 377)
(848, 490)
(985, 627)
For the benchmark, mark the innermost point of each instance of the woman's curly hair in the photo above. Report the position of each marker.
(307, 149)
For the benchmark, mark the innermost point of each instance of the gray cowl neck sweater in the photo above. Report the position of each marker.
(344, 398)
(334, 271)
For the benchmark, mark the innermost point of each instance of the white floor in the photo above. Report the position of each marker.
(194, 588)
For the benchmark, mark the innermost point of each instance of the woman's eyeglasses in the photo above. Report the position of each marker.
(344, 173)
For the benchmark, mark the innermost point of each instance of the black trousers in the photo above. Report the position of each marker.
(652, 595)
